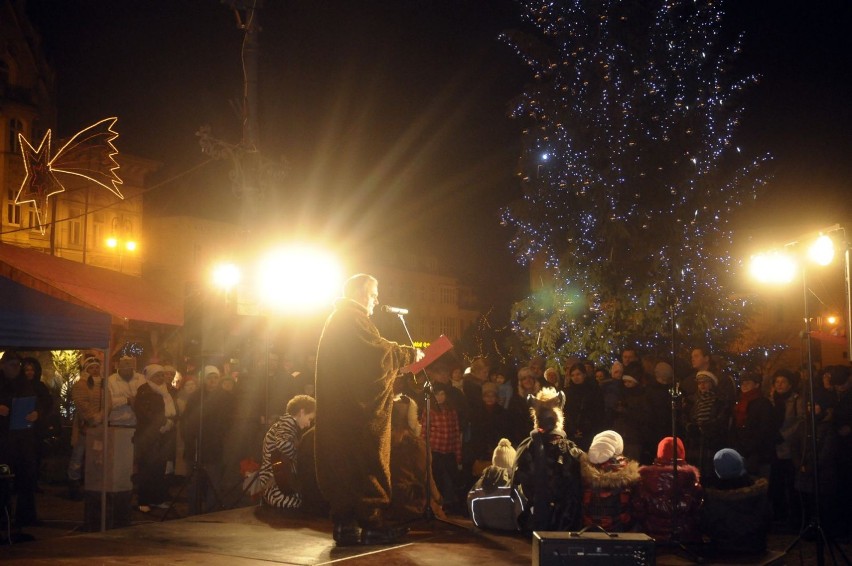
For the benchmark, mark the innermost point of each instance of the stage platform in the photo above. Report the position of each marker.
(251, 535)
(254, 536)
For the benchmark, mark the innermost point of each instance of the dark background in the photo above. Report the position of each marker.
(391, 115)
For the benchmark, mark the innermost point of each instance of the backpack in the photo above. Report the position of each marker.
(494, 503)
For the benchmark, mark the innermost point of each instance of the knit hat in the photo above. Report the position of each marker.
(126, 362)
(704, 374)
(211, 369)
(665, 449)
(728, 464)
(663, 371)
(605, 445)
(89, 362)
(504, 454)
(152, 369)
(629, 378)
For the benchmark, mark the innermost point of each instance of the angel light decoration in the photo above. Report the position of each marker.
(89, 154)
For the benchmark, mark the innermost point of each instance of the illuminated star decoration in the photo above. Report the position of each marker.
(89, 154)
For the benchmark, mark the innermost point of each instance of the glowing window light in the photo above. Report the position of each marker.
(299, 279)
(773, 267)
(226, 276)
(822, 250)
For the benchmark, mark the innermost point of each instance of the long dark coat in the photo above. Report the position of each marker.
(356, 368)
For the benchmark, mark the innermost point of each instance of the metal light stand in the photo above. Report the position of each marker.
(815, 523)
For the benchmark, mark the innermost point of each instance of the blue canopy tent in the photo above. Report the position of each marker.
(33, 320)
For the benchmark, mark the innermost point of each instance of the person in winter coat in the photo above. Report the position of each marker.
(706, 423)
(736, 513)
(154, 440)
(788, 409)
(584, 407)
(752, 430)
(547, 470)
(609, 484)
(355, 373)
(492, 501)
(655, 513)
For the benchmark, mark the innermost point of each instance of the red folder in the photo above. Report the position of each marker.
(435, 350)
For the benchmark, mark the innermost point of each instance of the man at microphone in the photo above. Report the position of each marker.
(355, 372)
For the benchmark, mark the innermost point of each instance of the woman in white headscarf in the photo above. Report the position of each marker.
(156, 413)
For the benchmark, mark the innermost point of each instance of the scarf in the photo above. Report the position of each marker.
(169, 402)
(741, 408)
(704, 407)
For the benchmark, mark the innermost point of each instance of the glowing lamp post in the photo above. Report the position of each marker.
(121, 239)
(780, 267)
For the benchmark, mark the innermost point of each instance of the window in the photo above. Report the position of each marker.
(75, 227)
(15, 127)
(13, 211)
(32, 218)
(448, 296)
(98, 230)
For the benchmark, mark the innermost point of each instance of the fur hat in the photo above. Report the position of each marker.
(728, 464)
(504, 455)
(89, 362)
(152, 369)
(211, 369)
(665, 449)
(547, 409)
(605, 445)
(629, 378)
(704, 374)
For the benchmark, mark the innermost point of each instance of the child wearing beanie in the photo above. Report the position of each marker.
(492, 501)
(655, 491)
(736, 515)
(609, 482)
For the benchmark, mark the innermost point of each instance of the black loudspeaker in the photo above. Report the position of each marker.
(552, 548)
(207, 318)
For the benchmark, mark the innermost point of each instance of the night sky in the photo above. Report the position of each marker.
(392, 114)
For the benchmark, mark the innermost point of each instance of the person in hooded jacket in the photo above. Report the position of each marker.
(655, 513)
(609, 483)
(547, 470)
(24, 438)
(736, 513)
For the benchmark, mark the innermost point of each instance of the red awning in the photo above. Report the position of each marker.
(125, 297)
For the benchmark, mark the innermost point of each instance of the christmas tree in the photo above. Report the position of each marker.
(630, 175)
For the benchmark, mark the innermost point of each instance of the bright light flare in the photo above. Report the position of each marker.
(832, 320)
(130, 246)
(299, 279)
(227, 276)
(112, 242)
(773, 267)
(822, 250)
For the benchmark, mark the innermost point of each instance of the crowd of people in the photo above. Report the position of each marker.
(568, 444)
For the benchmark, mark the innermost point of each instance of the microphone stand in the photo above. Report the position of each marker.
(428, 513)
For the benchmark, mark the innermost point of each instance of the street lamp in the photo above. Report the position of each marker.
(779, 267)
(121, 238)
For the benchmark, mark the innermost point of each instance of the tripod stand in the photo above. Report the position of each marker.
(815, 524)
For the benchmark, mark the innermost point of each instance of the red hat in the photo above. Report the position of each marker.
(664, 449)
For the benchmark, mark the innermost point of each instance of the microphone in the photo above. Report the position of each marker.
(394, 310)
